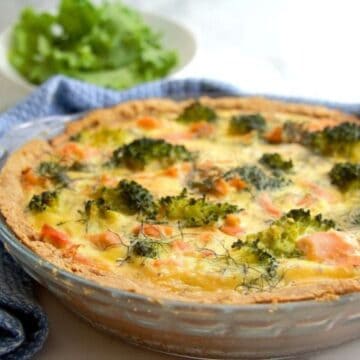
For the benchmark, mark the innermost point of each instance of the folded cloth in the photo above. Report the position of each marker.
(23, 325)
(61, 95)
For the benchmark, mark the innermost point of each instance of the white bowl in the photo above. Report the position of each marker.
(13, 86)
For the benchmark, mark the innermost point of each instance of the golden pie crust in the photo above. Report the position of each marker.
(12, 202)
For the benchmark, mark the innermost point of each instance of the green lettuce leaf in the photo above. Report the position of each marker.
(108, 45)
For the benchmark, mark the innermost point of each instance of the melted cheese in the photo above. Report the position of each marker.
(195, 266)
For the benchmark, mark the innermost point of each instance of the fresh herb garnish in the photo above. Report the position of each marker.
(41, 202)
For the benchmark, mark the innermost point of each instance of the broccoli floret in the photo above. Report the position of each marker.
(140, 152)
(252, 175)
(274, 161)
(260, 266)
(99, 205)
(41, 202)
(196, 112)
(345, 176)
(342, 140)
(129, 197)
(317, 222)
(280, 237)
(256, 177)
(243, 124)
(99, 137)
(145, 248)
(78, 166)
(254, 252)
(54, 172)
(194, 212)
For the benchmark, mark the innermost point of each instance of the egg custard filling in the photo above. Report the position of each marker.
(229, 200)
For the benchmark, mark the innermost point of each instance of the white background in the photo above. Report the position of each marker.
(308, 48)
(294, 47)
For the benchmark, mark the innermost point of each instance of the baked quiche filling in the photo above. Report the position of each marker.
(202, 200)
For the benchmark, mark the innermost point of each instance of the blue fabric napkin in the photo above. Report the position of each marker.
(23, 324)
(61, 95)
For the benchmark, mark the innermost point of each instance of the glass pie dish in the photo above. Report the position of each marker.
(184, 328)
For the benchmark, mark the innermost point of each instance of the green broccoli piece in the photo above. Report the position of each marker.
(78, 166)
(141, 152)
(243, 124)
(197, 112)
(316, 222)
(255, 252)
(280, 237)
(274, 161)
(94, 206)
(258, 263)
(256, 177)
(345, 176)
(100, 137)
(342, 140)
(54, 172)
(41, 202)
(194, 212)
(129, 197)
(145, 248)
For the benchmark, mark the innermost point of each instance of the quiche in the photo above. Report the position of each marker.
(212, 200)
